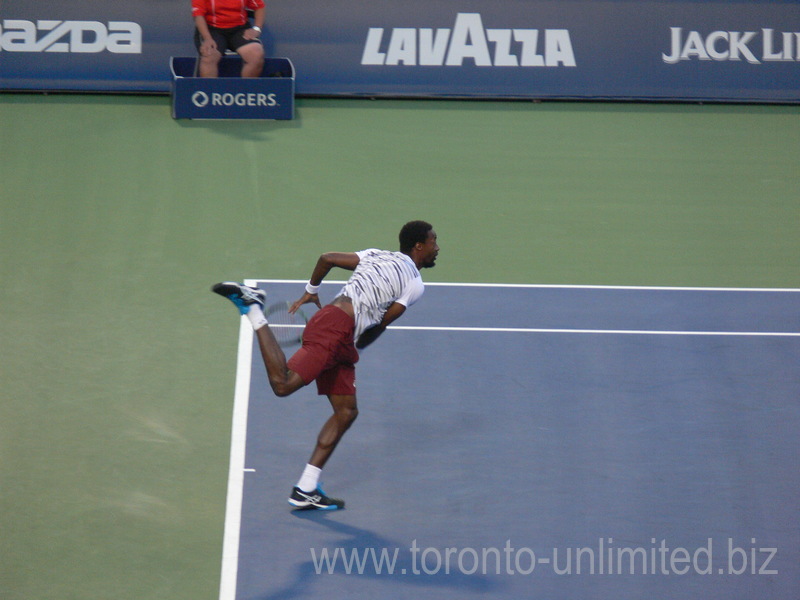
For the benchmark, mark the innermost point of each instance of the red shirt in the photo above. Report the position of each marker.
(224, 14)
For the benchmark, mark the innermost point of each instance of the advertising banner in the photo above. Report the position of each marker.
(229, 96)
(585, 49)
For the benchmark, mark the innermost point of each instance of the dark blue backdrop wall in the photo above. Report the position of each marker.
(615, 49)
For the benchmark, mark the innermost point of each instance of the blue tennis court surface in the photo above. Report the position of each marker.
(535, 442)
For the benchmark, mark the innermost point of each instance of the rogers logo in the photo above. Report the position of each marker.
(250, 100)
(200, 99)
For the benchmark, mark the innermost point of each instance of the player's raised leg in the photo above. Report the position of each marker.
(282, 380)
(250, 302)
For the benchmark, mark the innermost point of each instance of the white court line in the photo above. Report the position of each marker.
(585, 287)
(576, 331)
(654, 288)
(598, 331)
(233, 504)
(565, 287)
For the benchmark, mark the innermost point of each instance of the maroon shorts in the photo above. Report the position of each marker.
(328, 354)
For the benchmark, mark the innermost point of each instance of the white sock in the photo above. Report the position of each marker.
(309, 480)
(256, 316)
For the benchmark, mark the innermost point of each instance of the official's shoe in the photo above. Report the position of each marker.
(241, 295)
(314, 500)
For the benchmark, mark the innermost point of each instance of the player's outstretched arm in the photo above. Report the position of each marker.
(393, 313)
(343, 260)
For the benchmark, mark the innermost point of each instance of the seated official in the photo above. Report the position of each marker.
(222, 25)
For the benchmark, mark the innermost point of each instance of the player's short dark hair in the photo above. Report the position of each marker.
(412, 233)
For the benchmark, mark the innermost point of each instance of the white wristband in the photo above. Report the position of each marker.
(312, 289)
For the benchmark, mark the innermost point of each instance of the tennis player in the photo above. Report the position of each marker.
(382, 286)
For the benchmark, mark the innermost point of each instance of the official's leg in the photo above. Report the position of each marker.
(209, 64)
(208, 60)
(252, 59)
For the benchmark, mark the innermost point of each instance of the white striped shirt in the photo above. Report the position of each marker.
(380, 279)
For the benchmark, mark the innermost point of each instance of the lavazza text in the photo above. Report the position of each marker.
(468, 39)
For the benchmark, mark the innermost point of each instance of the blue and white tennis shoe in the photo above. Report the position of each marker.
(244, 297)
(314, 500)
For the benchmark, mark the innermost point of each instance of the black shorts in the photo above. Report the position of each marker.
(226, 39)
